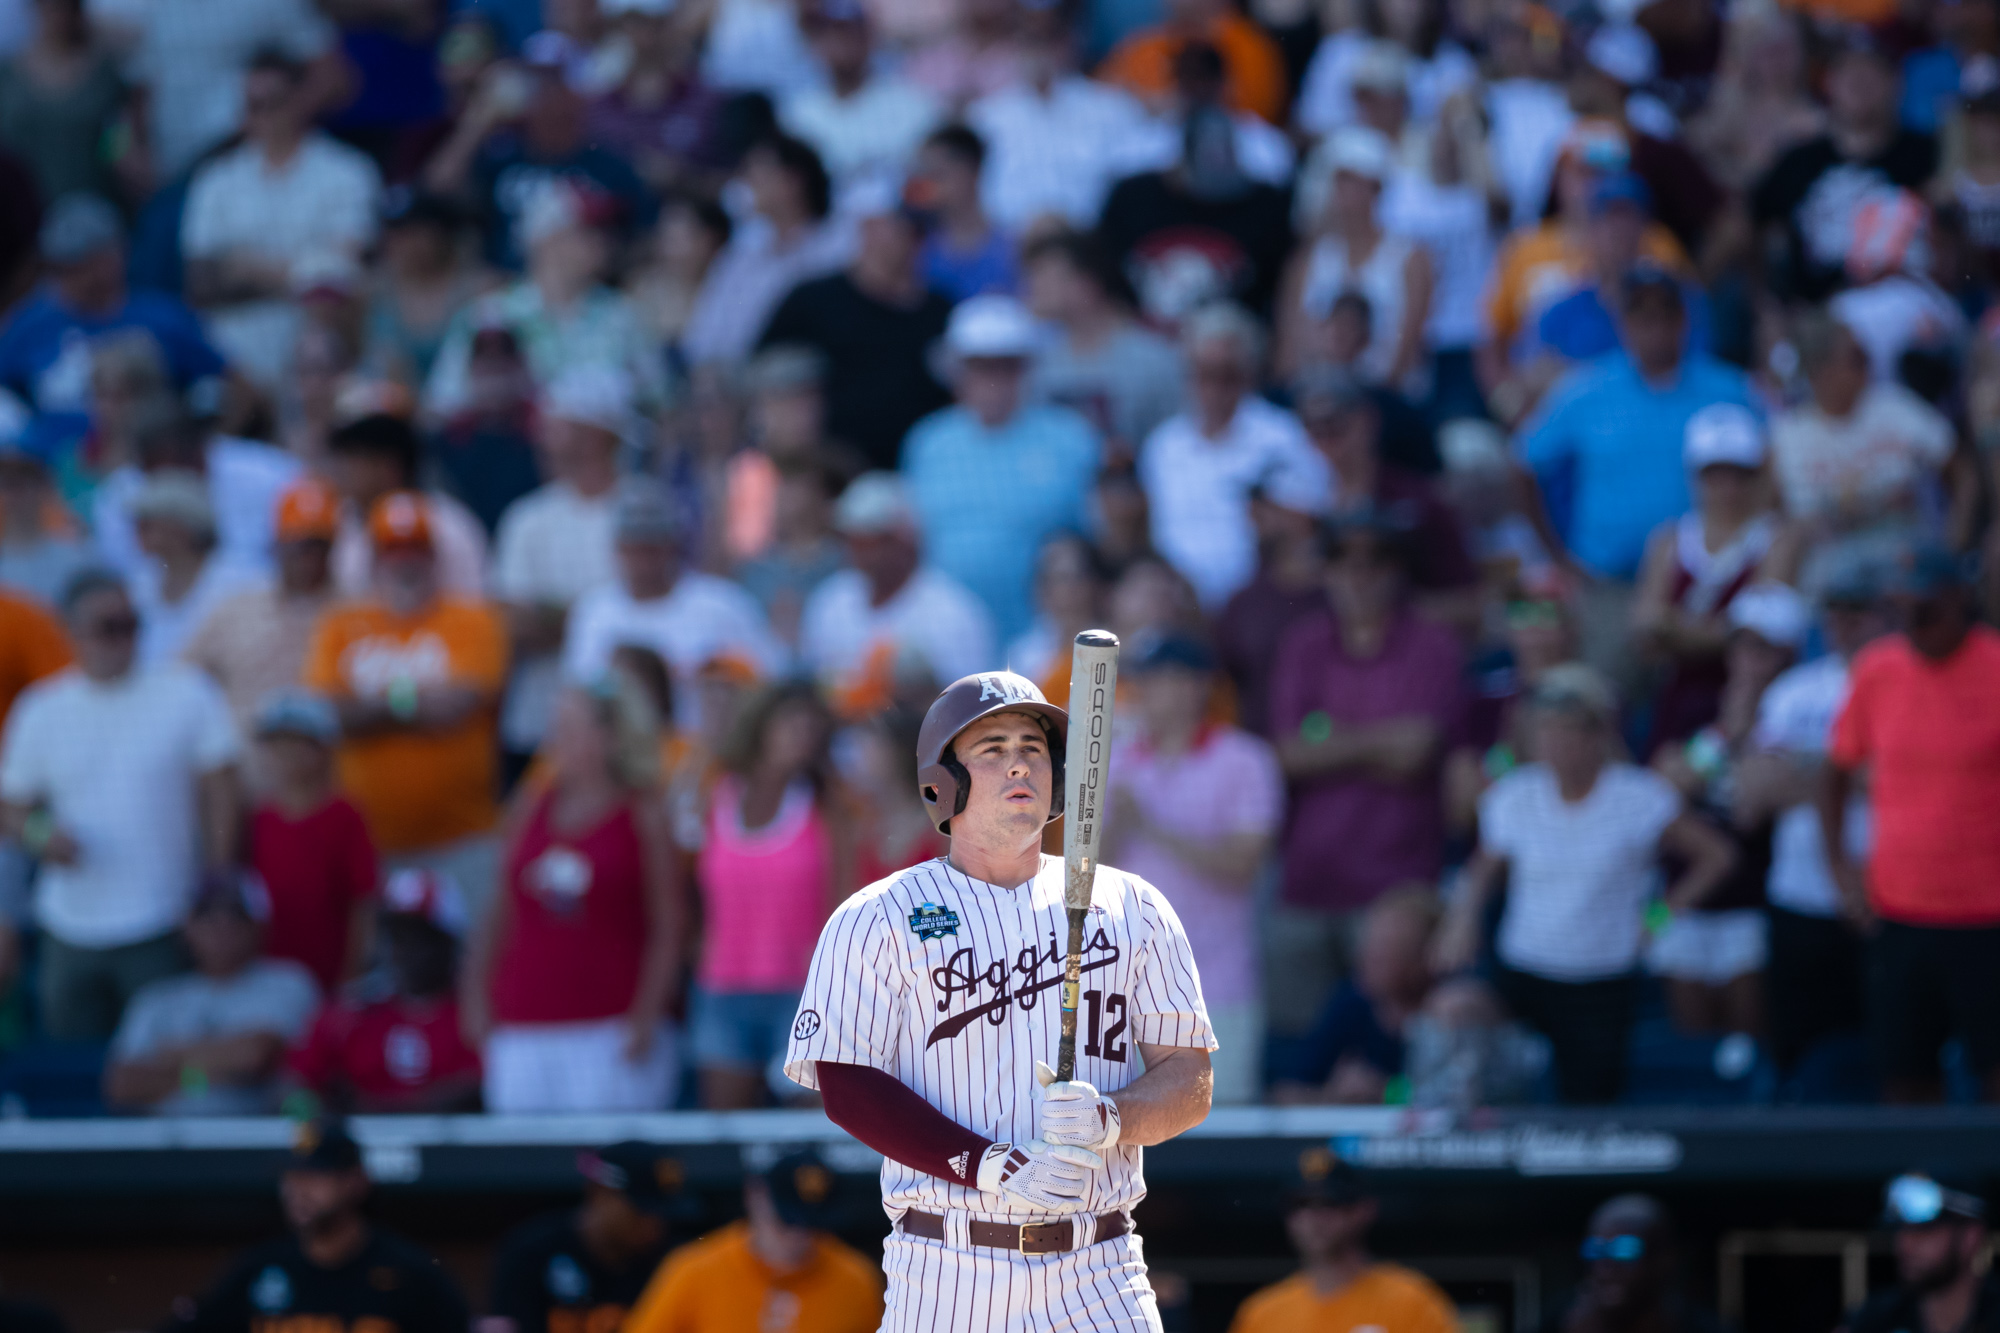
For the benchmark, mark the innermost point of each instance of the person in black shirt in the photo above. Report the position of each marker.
(335, 1273)
(1938, 1231)
(580, 1271)
(1815, 190)
(874, 324)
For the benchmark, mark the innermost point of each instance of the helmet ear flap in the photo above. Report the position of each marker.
(961, 779)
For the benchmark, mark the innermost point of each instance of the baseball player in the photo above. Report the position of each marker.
(932, 1009)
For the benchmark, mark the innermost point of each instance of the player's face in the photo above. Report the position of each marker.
(313, 1199)
(1013, 777)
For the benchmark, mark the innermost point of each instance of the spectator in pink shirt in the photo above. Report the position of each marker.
(1195, 810)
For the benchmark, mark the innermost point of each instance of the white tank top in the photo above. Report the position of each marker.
(1329, 276)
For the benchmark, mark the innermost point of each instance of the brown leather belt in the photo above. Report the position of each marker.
(1028, 1238)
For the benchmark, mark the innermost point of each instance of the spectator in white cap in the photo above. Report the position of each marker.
(682, 615)
(287, 192)
(1713, 956)
(889, 625)
(874, 324)
(990, 478)
(556, 543)
(1697, 564)
(560, 312)
(1860, 454)
(187, 576)
(1199, 466)
(1353, 252)
(861, 118)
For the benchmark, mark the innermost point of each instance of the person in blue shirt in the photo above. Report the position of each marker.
(1581, 326)
(1605, 451)
(45, 349)
(990, 478)
(518, 133)
(965, 255)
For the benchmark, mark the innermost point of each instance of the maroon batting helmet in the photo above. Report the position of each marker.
(942, 781)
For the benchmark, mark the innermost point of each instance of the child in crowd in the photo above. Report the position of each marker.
(309, 844)
(395, 1046)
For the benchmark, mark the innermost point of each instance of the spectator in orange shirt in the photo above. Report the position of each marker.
(1341, 1284)
(1923, 716)
(416, 675)
(32, 645)
(775, 1269)
(1143, 63)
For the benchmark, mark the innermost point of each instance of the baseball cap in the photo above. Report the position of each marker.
(178, 496)
(1575, 687)
(803, 1189)
(1363, 152)
(298, 712)
(644, 512)
(1624, 52)
(651, 1179)
(1621, 187)
(1723, 434)
(1382, 67)
(599, 396)
(1852, 576)
(1918, 1198)
(1322, 1179)
(428, 895)
(323, 1145)
(400, 519)
(77, 226)
(309, 510)
(1925, 567)
(784, 368)
(1774, 612)
(1172, 650)
(874, 502)
(238, 891)
(1598, 144)
(990, 326)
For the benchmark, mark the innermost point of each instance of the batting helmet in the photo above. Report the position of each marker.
(942, 781)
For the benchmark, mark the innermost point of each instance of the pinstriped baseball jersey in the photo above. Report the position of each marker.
(954, 986)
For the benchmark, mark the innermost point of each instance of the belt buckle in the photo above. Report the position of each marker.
(1049, 1247)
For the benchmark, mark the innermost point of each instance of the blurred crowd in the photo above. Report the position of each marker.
(487, 487)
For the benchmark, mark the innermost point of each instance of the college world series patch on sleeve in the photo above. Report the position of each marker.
(933, 921)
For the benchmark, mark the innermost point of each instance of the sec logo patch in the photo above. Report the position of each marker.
(807, 1024)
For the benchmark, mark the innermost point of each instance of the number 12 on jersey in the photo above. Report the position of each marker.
(1098, 1042)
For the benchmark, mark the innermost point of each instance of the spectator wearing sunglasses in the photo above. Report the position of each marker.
(1630, 1280)
(120, 779)
(1937, 1229)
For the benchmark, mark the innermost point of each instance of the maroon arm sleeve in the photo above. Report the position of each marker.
(894, 1121)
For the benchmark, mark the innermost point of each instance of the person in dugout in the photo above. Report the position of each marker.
(336, 1272)
(580, 1270)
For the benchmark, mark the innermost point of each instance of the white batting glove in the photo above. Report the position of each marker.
(1044, 1176)
(1074, 1113)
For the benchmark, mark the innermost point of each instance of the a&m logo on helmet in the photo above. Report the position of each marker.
(1007, 687)
(932, 921)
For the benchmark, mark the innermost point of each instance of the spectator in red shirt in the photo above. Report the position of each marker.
(1367, 697)
(310, 844)
(1923, 716)
(400, 1052)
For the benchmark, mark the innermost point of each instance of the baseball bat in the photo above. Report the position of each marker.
(1093, 681)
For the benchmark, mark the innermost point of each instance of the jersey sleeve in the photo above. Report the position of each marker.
(851, 1012)
(1167, 1008)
